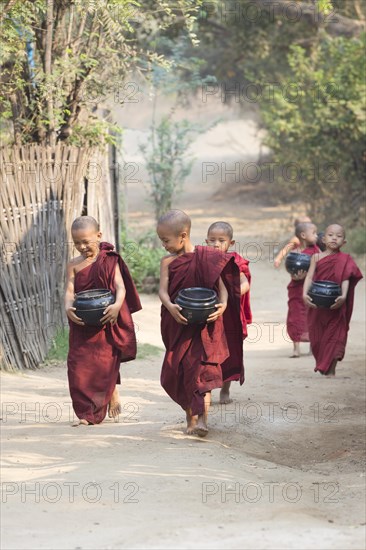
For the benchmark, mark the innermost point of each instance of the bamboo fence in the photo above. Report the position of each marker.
(43, 190)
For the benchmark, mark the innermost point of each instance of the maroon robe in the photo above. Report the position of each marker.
(328, 328)
(95, 353)
(297, 324)
(195, 353)
(233, 367)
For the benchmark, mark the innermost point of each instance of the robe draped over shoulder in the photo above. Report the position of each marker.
(195, 353)
(95, 353)
(233, 366)
(328, 329)
(297, 324)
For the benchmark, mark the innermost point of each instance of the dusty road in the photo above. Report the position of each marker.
(282, 467)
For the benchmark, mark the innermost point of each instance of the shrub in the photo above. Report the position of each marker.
(143, 260)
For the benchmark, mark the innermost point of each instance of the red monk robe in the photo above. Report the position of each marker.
(195, 353)
(95, 353)
(297, 324)
(328, 328)
(233, 367)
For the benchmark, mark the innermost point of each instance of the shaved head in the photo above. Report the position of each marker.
(336, 227)
(301, 228)
(176, 220)
(85, 222)
(223, 226)
(302, 219)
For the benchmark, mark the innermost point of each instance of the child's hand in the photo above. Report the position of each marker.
(71, 315)
(220, 308)
(301, 274)
(110, 314)
(308, 301)
(277, 263)
(338, 303)
(174, 310)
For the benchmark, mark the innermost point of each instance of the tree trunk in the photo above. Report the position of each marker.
(51, 133)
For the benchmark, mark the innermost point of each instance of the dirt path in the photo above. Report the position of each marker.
(282, 466)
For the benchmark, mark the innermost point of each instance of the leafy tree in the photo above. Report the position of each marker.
(302, 64)
(61, 58)
(321, 129)
(166, 160)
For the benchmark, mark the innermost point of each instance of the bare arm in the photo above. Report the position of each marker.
(111, 312)
(293, 243)
(222, 305)
(341, 299)
(173, 309)
(70, 295)
(244, 284)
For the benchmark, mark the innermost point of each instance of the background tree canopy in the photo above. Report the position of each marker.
(300, 62)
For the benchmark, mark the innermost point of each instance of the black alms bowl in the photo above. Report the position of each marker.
(197, 303)
(324, 293)
(296, 261)
(90, 305)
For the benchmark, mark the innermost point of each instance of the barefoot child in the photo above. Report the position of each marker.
(328, 328)
(95, 353)
(194, 353)
(293, 242)
(220, 237)
(297, 327)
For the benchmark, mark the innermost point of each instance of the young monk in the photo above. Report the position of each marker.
(194, 353)
(328, 328)
(292, 244)
(220, 237)
(297, 327)
(95, 353)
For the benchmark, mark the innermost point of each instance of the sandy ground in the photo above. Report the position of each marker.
(282, 466)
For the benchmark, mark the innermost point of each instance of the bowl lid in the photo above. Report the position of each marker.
(295, 255)
(93, 293)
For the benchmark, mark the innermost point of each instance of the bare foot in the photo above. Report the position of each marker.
(191, 422)
(332, 370)
(114, 406)
(296, 352)
(225, 398)
(201, 428)
(81, 422)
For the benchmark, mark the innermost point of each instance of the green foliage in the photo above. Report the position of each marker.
(319, 127)
(95, 132)
(325, 6)
(167, 161)
(356, 241)
(143, 259)
(60, 347)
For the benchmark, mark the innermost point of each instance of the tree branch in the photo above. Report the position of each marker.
(334, 23)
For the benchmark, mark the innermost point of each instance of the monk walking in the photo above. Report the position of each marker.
(328, 328)
(220, 236)
(95, 353)
(297, 326)
(194, 353)
(292, 243)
